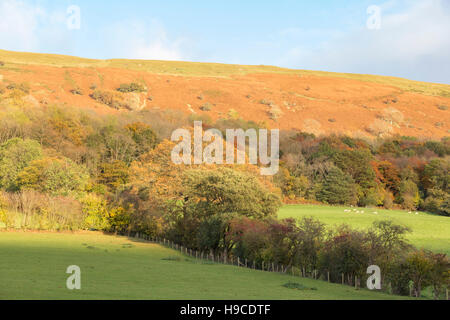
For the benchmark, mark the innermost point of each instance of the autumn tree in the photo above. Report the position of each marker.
(15, 155)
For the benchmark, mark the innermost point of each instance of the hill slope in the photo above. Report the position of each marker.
(311, 101)
(121, 268)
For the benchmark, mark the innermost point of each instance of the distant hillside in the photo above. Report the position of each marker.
(311, 101)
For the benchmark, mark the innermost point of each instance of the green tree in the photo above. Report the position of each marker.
(57, 177)
(338, 188)
(144, 137)
(15, 155)
(229, 191)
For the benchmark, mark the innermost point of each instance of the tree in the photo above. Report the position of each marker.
(308, 242)
(15, 155)
(95, 212)
(225, 190)
(419, 270)
(345, 252)
(54, 176)
(144, 137)
(212, 232)
(250, 239)
(440, 273)
(113, 175)
(338, 188)
(408, 195)
(389, 175)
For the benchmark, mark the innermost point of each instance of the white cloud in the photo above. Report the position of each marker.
(28, 27)
(18, 24)
(139, 40)
(25, 27)
(414, 43)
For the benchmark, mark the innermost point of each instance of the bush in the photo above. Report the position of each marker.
(24, 87)
(77, 91)
(206, 107)
(107, 98)
(131, 87)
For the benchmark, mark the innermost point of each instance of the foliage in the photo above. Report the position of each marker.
(54, 176)
(15, 155)
(131, 87)
(337, 188)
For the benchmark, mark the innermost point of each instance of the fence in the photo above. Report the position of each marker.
(264, 266)
(244, 263)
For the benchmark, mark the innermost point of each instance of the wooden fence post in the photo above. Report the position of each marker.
(263, 266)
(328, 274)
(342, 278)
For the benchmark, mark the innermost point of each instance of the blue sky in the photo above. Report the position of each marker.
(412, 41)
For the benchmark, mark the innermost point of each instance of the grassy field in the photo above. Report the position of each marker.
(211, 70)
(428, 231)
(33, 266)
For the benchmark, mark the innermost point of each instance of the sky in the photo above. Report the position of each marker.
(404, 38)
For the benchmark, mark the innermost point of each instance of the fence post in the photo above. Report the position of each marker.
(342, 278)
(263, 265)
(254, 266)
(328, 274)
(246, 262)
(239, 262)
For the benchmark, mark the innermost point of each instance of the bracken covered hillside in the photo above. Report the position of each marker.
(310, 101)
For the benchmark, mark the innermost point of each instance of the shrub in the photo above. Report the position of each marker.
(131, 87)
(76, 91)
(107, 98)
(206, 107)
(24, 87)
(233, 114)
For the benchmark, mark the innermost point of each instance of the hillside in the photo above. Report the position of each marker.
(311, 101)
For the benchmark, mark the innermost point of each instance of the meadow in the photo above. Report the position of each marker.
(33, 266)
(429, 231)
